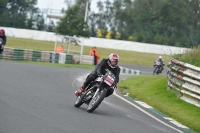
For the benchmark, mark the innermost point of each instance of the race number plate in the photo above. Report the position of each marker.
(157, 63)
(109, 80)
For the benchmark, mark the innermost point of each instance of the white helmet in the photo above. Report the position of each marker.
(113, 57)
(160, 57)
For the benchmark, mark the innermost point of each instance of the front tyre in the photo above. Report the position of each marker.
(96, 101)
(78, 102)
(155, 70)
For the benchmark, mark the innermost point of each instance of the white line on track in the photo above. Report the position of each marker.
(147, 113)
(81, 79)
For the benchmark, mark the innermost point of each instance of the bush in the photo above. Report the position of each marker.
(190, 56)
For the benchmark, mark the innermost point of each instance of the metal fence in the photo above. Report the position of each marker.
(185, 79)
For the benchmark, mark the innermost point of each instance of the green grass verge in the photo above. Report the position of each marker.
(126, 57)
(153, 91)
(191, 56)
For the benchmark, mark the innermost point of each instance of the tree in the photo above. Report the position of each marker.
(51, 26)
(73, 24)
(92, 21)
(69, 3)
(123, 18)
(82, 6)
(109, 35)
(3, 12)
(99, 33)
(194, 10)
(30, 23)
(40, 22)
(16, 13)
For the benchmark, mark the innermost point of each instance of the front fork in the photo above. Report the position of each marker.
(98, 89)
(96, 93)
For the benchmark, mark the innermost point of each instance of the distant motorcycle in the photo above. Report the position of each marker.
(96, 91)
(157, 68)
(1, 45)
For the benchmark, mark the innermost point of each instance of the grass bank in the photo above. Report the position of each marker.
(153, 91)
(126, 57)
(191, 56)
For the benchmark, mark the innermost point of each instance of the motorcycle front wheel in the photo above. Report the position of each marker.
(155, 70)
(96, 101)
(78, 102)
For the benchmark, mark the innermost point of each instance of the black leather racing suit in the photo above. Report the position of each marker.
(4, 39)
(161, 63)
(4, 42)
(100, 69)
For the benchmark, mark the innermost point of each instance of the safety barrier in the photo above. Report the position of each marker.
(44, 56)
(185, 79)
(24, 54)
(47, 56)
(64, 58)
(129, 71)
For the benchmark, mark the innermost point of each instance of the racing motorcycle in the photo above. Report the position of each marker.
(96, 91)
(157, 68)
(1, 45)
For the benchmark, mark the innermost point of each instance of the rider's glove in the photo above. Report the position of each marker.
(114, 86)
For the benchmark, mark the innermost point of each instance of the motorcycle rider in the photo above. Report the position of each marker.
(161, 60)
(111, 63)
(3, 37)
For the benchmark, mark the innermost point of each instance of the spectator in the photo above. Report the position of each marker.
(59, 49)
(93, 52)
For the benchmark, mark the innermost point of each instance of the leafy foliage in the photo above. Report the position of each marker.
(16, 13)
(190, 56)
(23, 14)
(165, 22)
(73, 24)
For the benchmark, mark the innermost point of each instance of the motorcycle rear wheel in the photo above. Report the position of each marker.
(96, 101)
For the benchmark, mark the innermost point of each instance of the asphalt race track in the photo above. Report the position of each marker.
(147, 70)
(40, 99)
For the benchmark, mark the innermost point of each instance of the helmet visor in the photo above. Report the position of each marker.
(113, 62)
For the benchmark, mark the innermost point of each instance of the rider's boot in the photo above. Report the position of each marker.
(79, 91)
